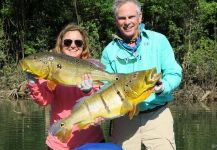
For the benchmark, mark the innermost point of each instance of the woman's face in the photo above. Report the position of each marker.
(73, 44)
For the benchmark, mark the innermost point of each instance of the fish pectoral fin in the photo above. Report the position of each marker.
(133, 112)
(143, 96)
(126, 107)
(138, 100)
(51, 85)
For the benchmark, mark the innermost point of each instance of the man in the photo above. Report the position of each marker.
(133, 49)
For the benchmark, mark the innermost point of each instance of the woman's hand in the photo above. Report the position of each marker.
(31, 78)
(159, 87)
(86, 84)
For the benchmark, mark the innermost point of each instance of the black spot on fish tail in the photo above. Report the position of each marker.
(55, 127)
(77, 60)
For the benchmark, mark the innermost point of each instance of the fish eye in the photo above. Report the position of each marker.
(62, 124)
(34, 57)
(59, 66)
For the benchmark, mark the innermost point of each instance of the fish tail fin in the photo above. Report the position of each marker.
(62, 133)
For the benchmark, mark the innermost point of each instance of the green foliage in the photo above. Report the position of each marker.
(191, 28)
(201, 63)
(10, 76)
(100, 13)
(3, 44)
(28, 49)
(7, 9)
(208, 17)
(94, 38)
(31, 26)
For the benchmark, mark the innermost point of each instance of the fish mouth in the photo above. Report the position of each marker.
(153, 76)
(38, 72)
(25, 67)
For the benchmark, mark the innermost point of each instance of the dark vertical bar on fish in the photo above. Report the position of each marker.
(104, 103)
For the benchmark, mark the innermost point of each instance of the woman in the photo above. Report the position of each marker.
(72, 41)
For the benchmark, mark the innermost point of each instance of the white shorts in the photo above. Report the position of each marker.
(153, 129)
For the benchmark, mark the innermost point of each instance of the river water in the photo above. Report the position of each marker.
(23, 126)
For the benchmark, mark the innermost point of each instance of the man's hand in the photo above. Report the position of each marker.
(159, 87)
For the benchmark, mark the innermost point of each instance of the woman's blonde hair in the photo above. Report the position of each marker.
(72, 27)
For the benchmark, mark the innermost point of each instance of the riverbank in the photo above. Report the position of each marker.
(13, 86)
(12, 83)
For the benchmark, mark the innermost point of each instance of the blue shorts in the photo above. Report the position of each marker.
(99, 146)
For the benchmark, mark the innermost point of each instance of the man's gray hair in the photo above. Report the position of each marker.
(118, 3)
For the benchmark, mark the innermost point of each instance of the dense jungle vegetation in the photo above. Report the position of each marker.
(30, 26)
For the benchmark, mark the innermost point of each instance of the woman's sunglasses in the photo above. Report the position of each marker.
(68, 42)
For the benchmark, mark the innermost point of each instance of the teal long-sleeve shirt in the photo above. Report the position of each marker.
(154, 51)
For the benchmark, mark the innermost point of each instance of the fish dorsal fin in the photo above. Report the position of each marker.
(63, 134)
(97, 63)
(51, 85)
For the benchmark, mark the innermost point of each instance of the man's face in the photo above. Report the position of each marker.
(128, 20)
